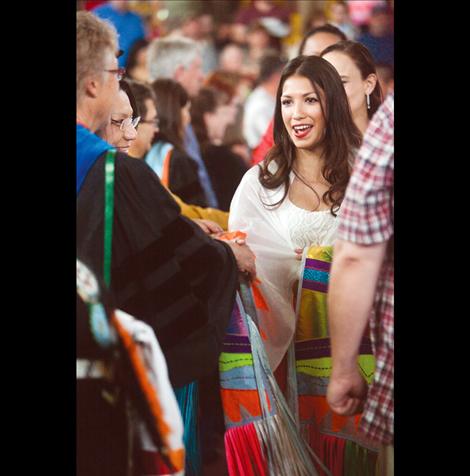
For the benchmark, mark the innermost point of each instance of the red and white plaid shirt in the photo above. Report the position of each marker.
(366, 219)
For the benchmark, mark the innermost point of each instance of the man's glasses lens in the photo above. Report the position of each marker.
(126, 123)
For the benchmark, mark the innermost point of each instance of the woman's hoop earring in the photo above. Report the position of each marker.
(368, 101)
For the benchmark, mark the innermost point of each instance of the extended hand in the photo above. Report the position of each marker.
(245, 258)
(208, 226)
(347, 393)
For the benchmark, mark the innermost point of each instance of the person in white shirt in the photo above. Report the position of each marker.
(260, 104)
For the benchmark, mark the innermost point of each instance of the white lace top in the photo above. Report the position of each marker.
(310, 228)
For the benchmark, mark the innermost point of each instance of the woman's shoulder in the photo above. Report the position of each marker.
(252, 174)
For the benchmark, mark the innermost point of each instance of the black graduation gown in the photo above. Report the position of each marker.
(184, 179)
(165, 270)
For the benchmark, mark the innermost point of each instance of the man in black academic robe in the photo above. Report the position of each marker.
(164, 269)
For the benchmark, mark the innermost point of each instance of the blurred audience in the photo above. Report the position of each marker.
(317, 39)
(379, 39)
(258, 40)
(142, 99)
(212, 111)
(180, 59)
(259, 10)
(129, 25)
(137, 66)
(206, 42)
(197, 25)
(360, 11)
(232, 58)
(386, 77)
(339, 17)
(167, 156)
(237, 87)
(260, 104)
(316, 18)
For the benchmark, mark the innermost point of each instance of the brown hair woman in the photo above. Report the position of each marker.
(167, 156)
(290, 202)
(212, 111)
(356, 68)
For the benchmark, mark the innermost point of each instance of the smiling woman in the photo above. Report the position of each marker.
(356, 67)
(302, 113)
(314, 134)
(121, 130)
(287, 204)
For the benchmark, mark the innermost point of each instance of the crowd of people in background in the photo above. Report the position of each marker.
(233, 35)
(221, 142)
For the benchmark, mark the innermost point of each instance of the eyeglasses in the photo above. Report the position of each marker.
(126, 123)
(155, 122)
(120, 72)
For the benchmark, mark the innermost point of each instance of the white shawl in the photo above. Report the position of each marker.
(276, 264)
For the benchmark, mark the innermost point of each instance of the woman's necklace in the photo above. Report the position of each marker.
(301, 179)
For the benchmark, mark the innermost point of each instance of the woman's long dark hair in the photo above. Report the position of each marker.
(341, 137)
(208, 100)
(365, 64)
(170, 99)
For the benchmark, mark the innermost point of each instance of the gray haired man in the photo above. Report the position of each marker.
(180, 59)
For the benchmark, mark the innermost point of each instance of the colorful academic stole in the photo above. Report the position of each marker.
(159, 158)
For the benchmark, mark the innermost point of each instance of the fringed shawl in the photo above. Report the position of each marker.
(276, 265)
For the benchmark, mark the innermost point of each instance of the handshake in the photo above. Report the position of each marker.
(236, 240)
(243, 254)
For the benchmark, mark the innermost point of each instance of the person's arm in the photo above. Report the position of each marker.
(365, 228)
(195, 212)
(355, 267)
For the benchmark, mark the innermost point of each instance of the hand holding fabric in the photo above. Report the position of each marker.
(208, 226)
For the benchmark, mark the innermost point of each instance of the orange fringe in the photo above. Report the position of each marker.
(175, 456)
